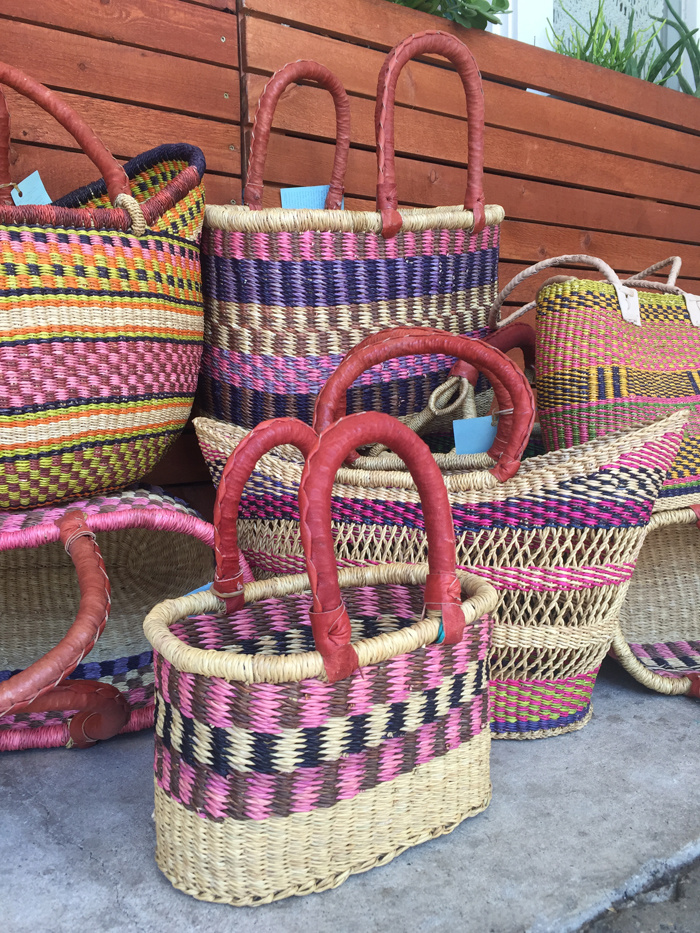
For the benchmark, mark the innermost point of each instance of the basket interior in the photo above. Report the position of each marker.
(661, 615)
(39, 596)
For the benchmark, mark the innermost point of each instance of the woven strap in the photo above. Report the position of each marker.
(329, 618)
(228, 579)
(24, 688)
(262, 125)
(93, 147)
(438, 43)
(511, 388)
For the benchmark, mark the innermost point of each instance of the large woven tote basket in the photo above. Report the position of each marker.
(289, 292)
(312, 726)
(612, 355)
(557, 535)
(101, 318)
(154, 547)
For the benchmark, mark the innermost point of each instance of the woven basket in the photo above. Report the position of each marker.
(659, 641)
(289, 292)
(558, 539)
(154, 546)
(305, 735)
(101, 321)
(611, 355)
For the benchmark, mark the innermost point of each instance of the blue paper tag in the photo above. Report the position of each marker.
(474, 435)
(31, 191)
(313, 197)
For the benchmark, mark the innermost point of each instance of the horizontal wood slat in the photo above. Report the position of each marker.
(381, 25)
(163, 25)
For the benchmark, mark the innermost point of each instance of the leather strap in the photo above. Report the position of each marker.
(423, 43)
(228, 579)
(5, 177)
(93, 147)
(510, 385)
(515, 336)
(694, 690)
(332, 627)
(262, 125)
(102, 710)
(42, 676)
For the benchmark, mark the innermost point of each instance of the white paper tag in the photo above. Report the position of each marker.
(31, 191)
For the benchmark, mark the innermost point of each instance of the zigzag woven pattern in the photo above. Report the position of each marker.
(597, 373)
(100, 340)
(281, 310)
(559, 542)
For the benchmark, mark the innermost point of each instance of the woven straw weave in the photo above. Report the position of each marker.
(154, 546)
(559, 542)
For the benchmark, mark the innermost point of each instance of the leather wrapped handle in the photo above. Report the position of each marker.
(24, 688)
(262, 124)
(514, 337)
(510, 385)
(102, 709)
(329, 618)
(422, 43)
(5, 177)
(93, 147)
(228, 579)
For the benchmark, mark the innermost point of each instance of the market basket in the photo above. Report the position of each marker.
(101, 320)
(289, 292)
(154, 546)
(557, 535)
(314, 726)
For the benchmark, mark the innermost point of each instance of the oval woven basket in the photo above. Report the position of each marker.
(153, 547)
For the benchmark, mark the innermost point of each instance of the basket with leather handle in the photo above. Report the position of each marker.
(289, 292)
(310, 707)
(557, 535)
(101, 316)
(51, 682)
(611, 355)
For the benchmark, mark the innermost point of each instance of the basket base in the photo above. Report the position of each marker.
(539, 709)
(249, 862)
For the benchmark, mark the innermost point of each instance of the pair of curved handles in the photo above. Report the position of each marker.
(429, 42)
(102, 710)
(118, 186)
(325, 451)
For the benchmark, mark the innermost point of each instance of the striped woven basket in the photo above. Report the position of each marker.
(311, 727)
(101, 320)
(611, 355)
(558, 538)
(154, 546)
(289, 292)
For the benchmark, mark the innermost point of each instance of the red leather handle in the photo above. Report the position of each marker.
(19, 691)
(262, 124)
(93, 147)
(329, 619)
(510, 385)
(5, 178)
(438, 43)
(102, 709)
(515, 336)
(228, 580)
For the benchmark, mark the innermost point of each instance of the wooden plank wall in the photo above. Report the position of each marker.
(608, 165)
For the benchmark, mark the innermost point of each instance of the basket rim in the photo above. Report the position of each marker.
(238, 218)
(481, 600)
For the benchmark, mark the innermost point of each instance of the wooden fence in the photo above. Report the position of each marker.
(581, 158)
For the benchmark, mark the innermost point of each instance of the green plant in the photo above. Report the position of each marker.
(690, 48)
(632, 55)
(475, 14)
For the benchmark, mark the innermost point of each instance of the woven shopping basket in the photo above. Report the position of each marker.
(558, 537)
(101, 320)
(154, 547)
(318, 725)
(612, 355)
(289, 292)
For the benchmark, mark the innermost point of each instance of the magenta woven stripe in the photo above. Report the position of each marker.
(311, 245)
(553, 579)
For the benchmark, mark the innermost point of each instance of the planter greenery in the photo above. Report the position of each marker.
(474, 14)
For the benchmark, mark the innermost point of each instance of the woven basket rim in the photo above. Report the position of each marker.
(482, 599)
(237, 218)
